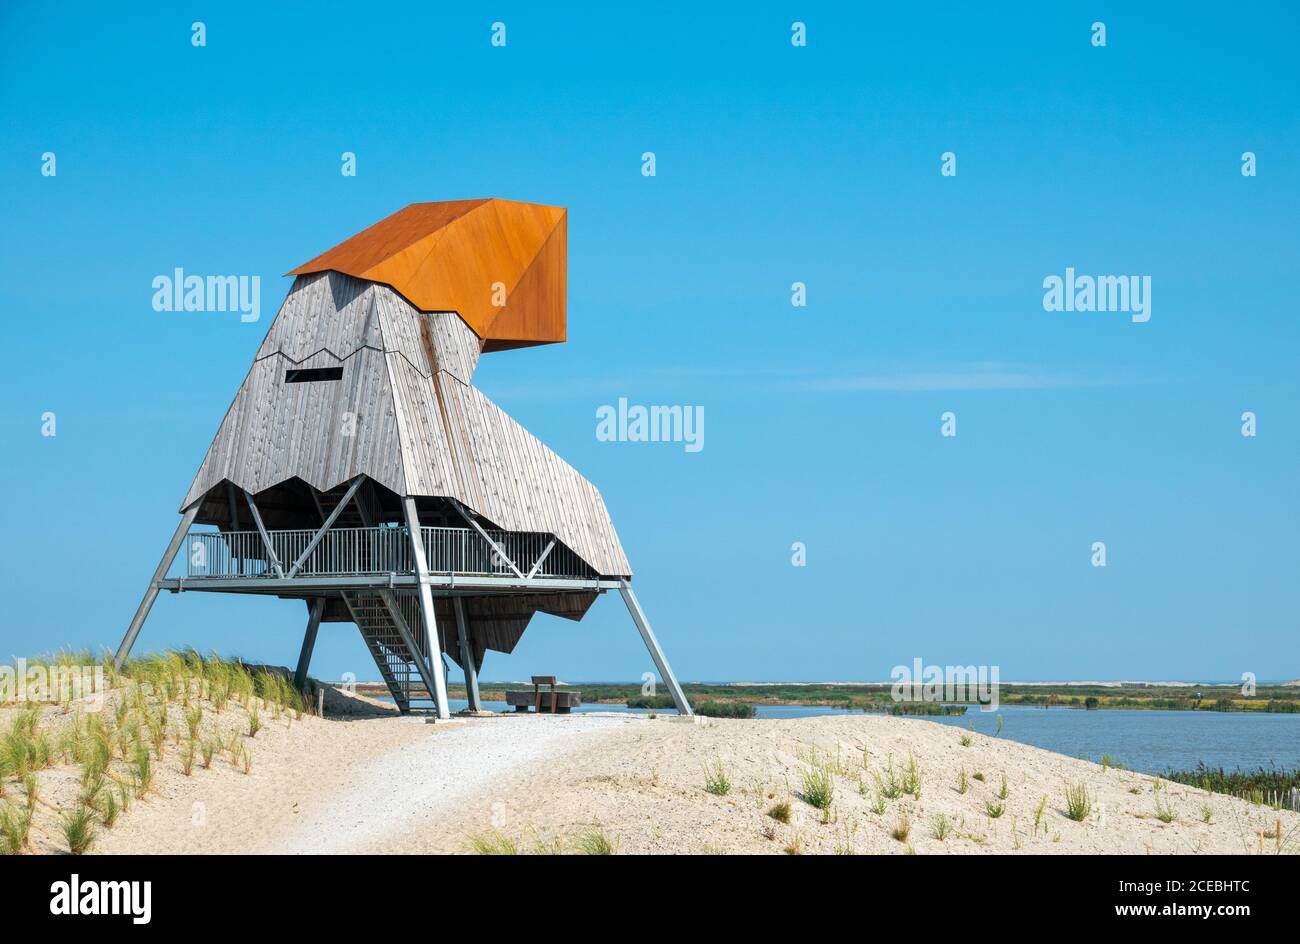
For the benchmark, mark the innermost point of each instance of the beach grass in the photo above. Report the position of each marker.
(716, 780)
(79, 828)
(1078, 802)
(818, 785)
(593, 842)
(156, 703)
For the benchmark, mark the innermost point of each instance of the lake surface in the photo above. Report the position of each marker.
(1150, 741)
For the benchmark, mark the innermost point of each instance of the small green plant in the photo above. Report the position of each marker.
(965, 740)
(79, 829)
(141, 767)
(940, 827)
(978, 776)
(963, 783)
(889, 785)
(1207, 814)
(999, 728)
(493, 843)
(1039, 812)
(187, 758)
(593, 842)
(1002, 790)
(1106, 763)
(108, 808)
(780, 812)
(1078, 802)
(193, 718)
(911, 779)
(32, 789)
(210, 747)
(1165, 811)
(15, 825)
(716, 780)
(902, 827)
(878, 807)
(994, 808)
(254, 719)
(818, 786)
(234, 746)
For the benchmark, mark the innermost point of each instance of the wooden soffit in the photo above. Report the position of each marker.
(464, 256)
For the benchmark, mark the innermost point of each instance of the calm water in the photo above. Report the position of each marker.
(1151, 741)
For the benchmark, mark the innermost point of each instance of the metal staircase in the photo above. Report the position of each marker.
(394, 659)
(392, 656)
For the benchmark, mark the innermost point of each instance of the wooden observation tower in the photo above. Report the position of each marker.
(359, 470)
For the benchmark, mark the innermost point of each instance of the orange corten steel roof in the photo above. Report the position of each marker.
(449, 256)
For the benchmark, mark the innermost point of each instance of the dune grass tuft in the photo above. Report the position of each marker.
(593, 842)
(79, 829)
(15, 825)
(940, 827)
(818, 786)
(1078, 802)
(902, 827)
(493, 843)
(716, 780)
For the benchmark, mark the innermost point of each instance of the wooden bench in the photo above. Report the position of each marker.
(552, 701)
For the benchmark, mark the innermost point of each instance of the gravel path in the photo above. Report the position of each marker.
(396, 795)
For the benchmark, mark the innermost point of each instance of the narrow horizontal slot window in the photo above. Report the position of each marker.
(312, 374)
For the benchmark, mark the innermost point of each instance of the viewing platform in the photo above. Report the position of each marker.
(341, 558)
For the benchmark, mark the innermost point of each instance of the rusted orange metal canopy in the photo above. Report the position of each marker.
(499, 264)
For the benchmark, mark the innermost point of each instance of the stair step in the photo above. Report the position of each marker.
(396, 663)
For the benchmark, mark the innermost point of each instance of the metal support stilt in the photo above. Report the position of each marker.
(426, 607)
(651, 643)
(151, 594)
(466, 654)
(315, 612)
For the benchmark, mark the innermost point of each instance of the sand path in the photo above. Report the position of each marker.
(417, 787)
(364, 784)
(398, 785)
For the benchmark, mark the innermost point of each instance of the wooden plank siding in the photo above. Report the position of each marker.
(418, 426)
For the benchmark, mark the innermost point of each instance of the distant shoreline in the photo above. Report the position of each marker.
(1268, 698)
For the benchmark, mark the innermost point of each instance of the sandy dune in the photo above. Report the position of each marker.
(390, 784)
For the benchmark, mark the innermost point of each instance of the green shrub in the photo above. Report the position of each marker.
(725, 709)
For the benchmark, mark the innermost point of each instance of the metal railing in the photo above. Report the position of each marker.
(360, 551)
(462, 551)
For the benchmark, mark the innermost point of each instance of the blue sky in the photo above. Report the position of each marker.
(775, 164)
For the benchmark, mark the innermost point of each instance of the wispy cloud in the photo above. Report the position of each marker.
(986, 375)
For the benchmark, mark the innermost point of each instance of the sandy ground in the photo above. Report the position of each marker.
(381, 783)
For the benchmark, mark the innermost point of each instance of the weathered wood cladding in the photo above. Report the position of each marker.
(498, 621)
(404, 414)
